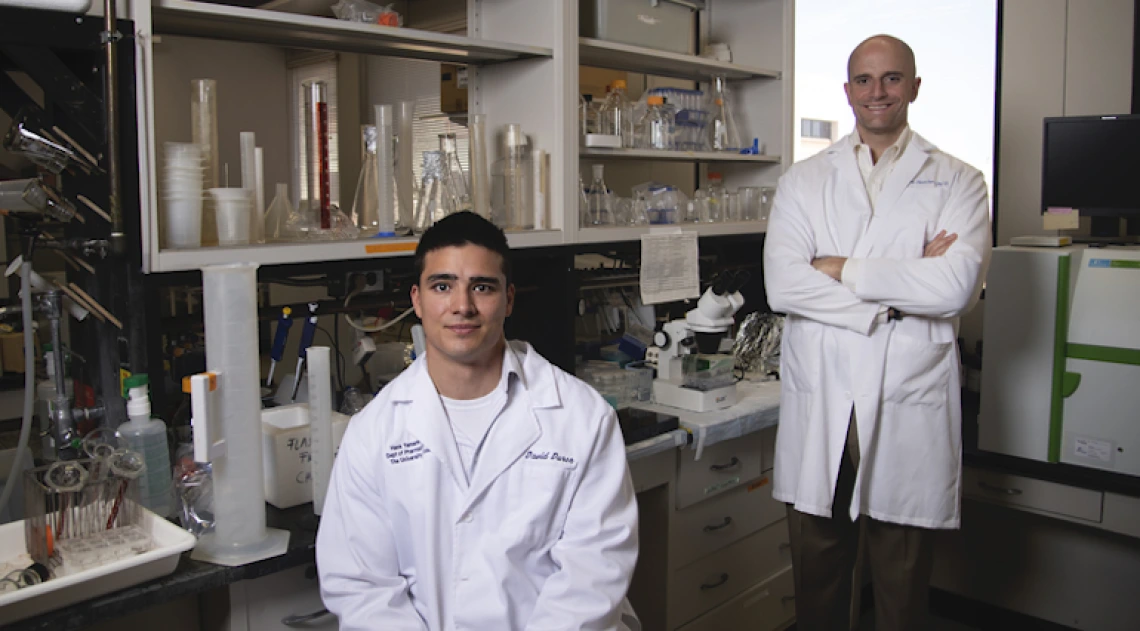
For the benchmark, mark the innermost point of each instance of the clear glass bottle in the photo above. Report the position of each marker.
(456, 194)
(655, 129)
(430, 203)
(600, 200)
(615, 114)
(723, 132)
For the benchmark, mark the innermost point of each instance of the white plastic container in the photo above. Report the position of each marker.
(286, 443)
(147, 436)
(232, 206)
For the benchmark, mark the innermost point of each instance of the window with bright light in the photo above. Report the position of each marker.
(955, 47)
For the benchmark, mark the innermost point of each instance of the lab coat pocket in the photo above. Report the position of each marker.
(538, 499)
(916, 371)
(800, 355)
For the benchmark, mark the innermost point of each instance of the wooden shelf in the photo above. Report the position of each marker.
(317, 251)
(603, 54)
(595, 153)
(217, 21)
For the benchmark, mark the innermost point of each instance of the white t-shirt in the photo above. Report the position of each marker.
(471, 421)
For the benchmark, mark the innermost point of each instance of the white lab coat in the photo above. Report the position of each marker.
(901, 376)
(545, 536)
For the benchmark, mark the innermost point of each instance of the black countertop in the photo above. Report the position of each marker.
(190, 577)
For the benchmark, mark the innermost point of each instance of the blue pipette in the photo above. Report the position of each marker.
(307, 333)
(278, 349)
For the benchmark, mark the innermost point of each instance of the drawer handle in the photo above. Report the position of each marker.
(731, 464)
(998, 489)
(721, 581)
(724, 524)
(297, 620)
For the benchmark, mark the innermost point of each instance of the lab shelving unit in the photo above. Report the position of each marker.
(523, 58)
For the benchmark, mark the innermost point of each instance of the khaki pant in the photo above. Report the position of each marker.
(824, 554)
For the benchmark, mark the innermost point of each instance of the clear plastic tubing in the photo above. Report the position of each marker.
(385, 157)
(480, 173)
(229, 297)
(317, 150)
(405, 180)
(320, 422)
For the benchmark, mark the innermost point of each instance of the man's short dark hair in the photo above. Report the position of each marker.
(459, 229)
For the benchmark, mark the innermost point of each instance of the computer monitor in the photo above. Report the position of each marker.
(1089, 163)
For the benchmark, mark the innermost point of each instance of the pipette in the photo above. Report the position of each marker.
(278, 349)
(307, 333)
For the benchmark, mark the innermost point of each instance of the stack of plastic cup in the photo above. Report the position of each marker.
(232, 207)
(182, 195)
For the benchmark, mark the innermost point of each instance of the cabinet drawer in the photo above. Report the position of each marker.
(767, 449)
(1032, 494)
(702, 585)
(653, 471)
(708, 526)
(722, 467)
(768, 606)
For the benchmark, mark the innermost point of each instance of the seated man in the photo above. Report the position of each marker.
(484, 488)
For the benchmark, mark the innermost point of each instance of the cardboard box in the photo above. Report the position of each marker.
(452, 88)
(12, 351)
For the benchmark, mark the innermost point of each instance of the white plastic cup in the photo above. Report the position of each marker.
(182, 225)
(232, 207)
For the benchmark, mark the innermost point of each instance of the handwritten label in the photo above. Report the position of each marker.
(720, 486)
(406, 452)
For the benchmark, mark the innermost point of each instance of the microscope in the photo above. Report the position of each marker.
(700, 333)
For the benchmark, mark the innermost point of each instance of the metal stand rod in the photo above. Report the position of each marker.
(110, 42)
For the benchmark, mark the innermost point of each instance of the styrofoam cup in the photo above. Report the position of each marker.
(232, 208)
(182, 225)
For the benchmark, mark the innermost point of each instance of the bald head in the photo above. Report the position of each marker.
(880, 42)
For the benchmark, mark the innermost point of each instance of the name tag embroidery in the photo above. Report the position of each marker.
(934, 183)
(553, 456)
(406, 452)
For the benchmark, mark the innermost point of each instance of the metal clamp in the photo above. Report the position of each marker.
(721, 581)
(998, 489)
(731, 464)
(724, 524)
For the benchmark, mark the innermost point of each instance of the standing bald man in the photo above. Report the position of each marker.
(874, 248)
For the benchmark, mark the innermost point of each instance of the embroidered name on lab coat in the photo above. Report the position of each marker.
(406, 452)
(934, 183)
(549, 455)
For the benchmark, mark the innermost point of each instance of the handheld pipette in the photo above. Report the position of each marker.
(278, 349)
(307, 333)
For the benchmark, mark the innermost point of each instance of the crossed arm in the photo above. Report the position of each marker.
(942, 284)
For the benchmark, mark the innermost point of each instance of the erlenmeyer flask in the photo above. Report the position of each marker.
(723, 133)
(456, 195)
(277, 217)
(600, 200)
(366, 203)
(430, 201)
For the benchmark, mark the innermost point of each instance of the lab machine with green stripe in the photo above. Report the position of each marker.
(1061, 356)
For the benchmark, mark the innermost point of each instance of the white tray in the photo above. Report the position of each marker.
(170, 541)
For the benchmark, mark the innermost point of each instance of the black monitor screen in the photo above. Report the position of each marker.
(1091, 165)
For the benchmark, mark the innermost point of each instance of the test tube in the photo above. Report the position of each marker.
(317, 151)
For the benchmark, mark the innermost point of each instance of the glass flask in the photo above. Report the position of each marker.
(366, 202)
(615, 114)
(429, 206)
(600, 200)
(717, 199)
(456, 194)
(655, 129)
(723, 133)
